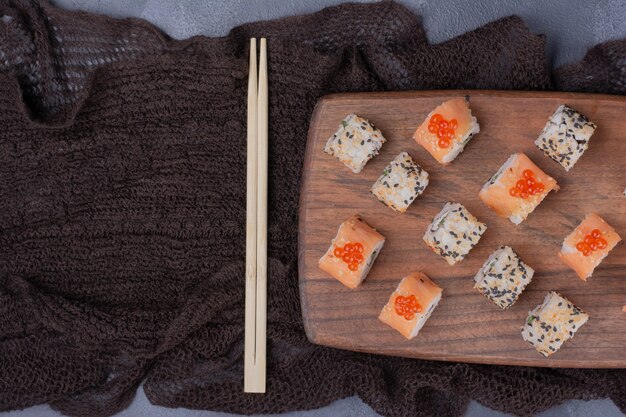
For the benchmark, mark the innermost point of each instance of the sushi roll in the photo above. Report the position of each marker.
(552, 322)
(517, 188)
(355, 142)
(352, 252)
(588, 245)
(447, 130)
(401, 182)
(566, 136)
(503, 277)
(411, 304)
(454, 232)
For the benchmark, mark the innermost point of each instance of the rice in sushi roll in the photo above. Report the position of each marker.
(411, 304)
(401, 182)
(552, 322)
(454, 232)
(447, 129)
(566, 136)
(352, 252)
(517, 188)
(355, 142)
(503, 277)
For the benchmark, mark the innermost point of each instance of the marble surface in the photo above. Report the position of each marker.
(571, 27)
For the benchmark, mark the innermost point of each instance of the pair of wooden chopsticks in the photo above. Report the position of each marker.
(256, 223)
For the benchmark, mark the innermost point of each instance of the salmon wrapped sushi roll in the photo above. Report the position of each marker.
(402, 181)
(352, 252)
(355, 142)
(454, 232)
(447, 130)
(552, 322)
(503, 277)
(411, 304)
(517, 188)
(588, 245)
(566, 136)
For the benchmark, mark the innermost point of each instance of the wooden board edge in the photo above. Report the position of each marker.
(549, 363)
(308, 156)
(392, 95)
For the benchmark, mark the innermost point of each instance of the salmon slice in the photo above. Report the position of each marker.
(496, 193)
(426, 297)
(355, 239)
(575, 259)
(457, 109)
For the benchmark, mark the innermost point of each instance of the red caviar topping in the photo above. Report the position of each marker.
(591, 243)
(351, 254)
(526, 186)
(407, 306)
(444, 129)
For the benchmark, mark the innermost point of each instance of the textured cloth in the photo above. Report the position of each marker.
(122, 209)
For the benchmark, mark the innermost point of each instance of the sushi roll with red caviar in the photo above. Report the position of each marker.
(517, 188)
(411, 304)
(588, 245)
(447, 129)
(352, 252)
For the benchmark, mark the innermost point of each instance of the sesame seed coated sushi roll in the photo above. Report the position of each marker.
(355, 142)
(401, 182)
(454, 232)
(352, 252)
(517, 188)
(411, 304)
(566, 136)
(552, 322)
(588, 245)
(503, 277)
(447, 130)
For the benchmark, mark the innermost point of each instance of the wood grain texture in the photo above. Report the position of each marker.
(466, 326)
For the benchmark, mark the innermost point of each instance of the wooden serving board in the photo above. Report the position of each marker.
(466, 326)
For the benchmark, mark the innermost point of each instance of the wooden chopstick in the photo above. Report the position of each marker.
(251, 225)
(256, 275)
(261, 226)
